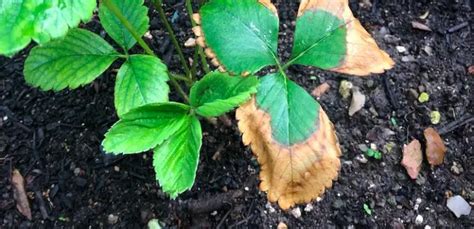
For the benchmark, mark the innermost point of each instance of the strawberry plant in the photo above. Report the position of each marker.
(290, 134)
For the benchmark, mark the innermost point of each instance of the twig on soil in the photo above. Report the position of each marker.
(213, 202)
(224, 218)
(389, 92)
(42, 205)
(456, 124)
(458, 27)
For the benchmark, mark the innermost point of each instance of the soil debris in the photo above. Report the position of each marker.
(358, 101)
(320, 90)
(19, 194)
(412, 158)
(435, 148)
(420, 26)
(459, 206)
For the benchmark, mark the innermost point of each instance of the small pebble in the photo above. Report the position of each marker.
(457, 168)
(309, 207)
(191, 42)
(361, 158)
(282, 225)
(458, 206)
(408, 58)
(296, 212)
(401, 49)
(419, 220)
(112, 219)
(77, 171)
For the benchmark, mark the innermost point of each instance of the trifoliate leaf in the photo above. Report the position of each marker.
(218, 93)
(23, 20)
(329, 37)
(145, 127)
(72, 61)
(134, 11)
(293, 139)
(176, 159)
(242, 36)
(141, 80)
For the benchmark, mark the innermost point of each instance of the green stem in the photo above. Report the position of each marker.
(205, 65)
(179, 77)
(115, 10)
(159, 6)
(117, 13)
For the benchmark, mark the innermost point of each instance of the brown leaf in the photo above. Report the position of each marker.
(435, 148)
(412, 158)
(363, 55)
(19, 194)
(296, 173)
(320, 90)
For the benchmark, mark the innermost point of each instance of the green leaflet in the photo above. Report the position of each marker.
(72, 61)
(41, 20)
(294, 113)
(136, 14)
(141, 80)
(17, 26)
(320, 40)
(176, 159)
(55, 17)
(243, 34)
(145, 127)
(218, 93)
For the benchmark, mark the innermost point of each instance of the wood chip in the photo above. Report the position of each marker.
(19, 194)
(435, 148)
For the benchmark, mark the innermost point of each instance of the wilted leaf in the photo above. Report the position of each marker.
(293, 139)
(412, 158)
(240, 36)
(19, 194)
(329, 37)
(435, 149)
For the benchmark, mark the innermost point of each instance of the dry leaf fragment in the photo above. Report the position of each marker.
(320, 90)
(435, 148)
(19, 194)
(420, 26)
(412, 158)
(358, 101)
(191, 42)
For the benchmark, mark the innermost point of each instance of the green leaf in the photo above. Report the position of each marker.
(72, 61)
(141, 80)
(294, 113)
(320, 40)
(16, 20)
(55, 17)
(176, 159)
(218, 93)
(136, 14)
(243, 34)
(145, 127)
(23, 20)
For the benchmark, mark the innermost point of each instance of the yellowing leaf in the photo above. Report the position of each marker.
(435, 149)
(290, 173)
(361, 54)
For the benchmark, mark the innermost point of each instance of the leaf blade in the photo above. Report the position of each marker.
(244, 38)
(176, 159)
(218, 93)
(136, 14)
(17, 25)
(299, 164)
(328, 36)
(145, 127)
(72, 61)
(140, 80)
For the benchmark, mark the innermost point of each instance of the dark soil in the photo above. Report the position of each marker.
(54, 139)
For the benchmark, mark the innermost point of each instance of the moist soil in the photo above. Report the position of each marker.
(54, 138)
